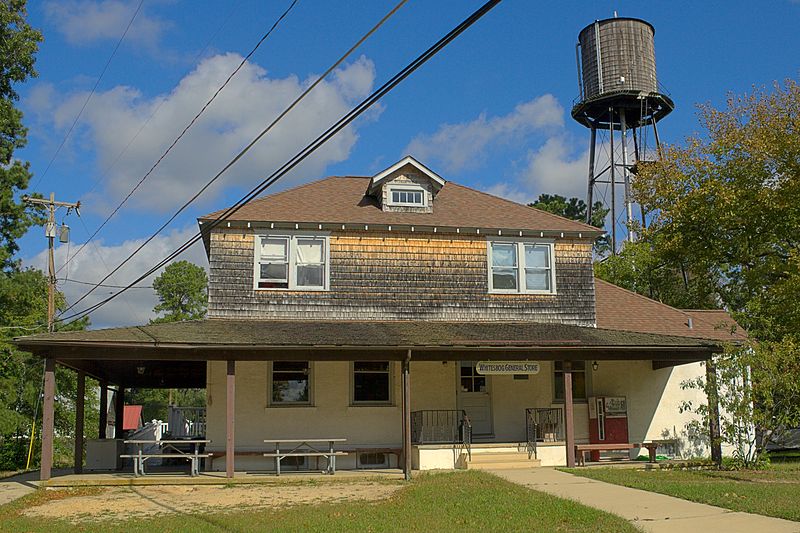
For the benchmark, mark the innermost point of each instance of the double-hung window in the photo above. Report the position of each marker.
(297, 262)
(290, 383)
(579, 384)
(371, 382)
(521, 267)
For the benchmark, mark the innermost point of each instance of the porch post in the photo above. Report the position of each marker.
(80, 397)
(119, 412)
(230, 394)
(569, 422)
(48, 418)
(407, 417)
(103, 421)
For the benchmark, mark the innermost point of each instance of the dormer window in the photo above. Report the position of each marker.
(407, 196)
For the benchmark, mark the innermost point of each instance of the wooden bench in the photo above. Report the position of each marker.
(305, 448)
(608, 447)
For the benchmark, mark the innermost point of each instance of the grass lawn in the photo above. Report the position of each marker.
(459, 501)
(772, 492)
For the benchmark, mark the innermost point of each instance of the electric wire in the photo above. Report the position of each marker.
(303, 154)
(252, 143)
(186, 128)
(104, 172)
(91, 93)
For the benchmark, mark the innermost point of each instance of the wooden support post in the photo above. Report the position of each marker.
(407, 417)
(103, 421)
(48, 418)
(230, 398)
(119, 412)
(80, 397)
(712, 391)
(569, 422)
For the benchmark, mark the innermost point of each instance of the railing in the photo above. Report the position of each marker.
(187, 422)
(441, 426)
(543, 425)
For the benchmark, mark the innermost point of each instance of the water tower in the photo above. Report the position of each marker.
(619, 94)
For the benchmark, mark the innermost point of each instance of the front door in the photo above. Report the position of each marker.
(474, 398)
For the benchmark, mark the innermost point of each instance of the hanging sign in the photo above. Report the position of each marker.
(507, 367)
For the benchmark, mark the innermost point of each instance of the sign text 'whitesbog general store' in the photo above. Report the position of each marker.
(507, 367)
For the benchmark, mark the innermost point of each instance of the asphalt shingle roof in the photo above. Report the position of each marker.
(343, 200)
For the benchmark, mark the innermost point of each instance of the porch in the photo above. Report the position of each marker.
(231, 357)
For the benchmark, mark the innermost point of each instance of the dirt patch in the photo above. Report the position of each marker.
(120, 503)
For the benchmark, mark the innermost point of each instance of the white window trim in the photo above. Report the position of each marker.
(520, 244)
(419, 188)
(388, 403)
(273, 403)
(292, 236)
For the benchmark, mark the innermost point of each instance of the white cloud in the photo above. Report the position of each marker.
(87, 21)
(249, 102)
(554, 168)
(458, 146)
(133, 307)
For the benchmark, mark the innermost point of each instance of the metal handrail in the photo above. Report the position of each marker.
(442, 426)
(542, 424)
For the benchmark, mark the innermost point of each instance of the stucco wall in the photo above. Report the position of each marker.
(654, 397)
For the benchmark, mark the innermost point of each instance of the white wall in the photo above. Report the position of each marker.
(653, 396)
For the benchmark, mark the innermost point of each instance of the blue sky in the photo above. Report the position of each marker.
(490, 111)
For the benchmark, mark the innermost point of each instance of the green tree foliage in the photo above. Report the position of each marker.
(18, 45)
(724, 233)
(575, 209)
(23, 311)
(182, 292)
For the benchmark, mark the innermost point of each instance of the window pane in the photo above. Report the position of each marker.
(480, 384)
(274, 248)
(504, 254)
(289, 390)
(290, 366)
(537, 280)
(310, 251)
(371, 386)
(504, 279)
(310, 276)
(579, 385)
(466, 385)
(290, 382)
(274, 271)
(537, 255)
(371, 366)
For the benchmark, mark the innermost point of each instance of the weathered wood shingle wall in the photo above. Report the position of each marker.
(394, 276)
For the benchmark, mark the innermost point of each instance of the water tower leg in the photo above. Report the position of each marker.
(626, 179)
(613, 182)
(590, 195)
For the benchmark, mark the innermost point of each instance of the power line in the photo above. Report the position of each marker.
(309, 149)
(69, 280)
(91, 93)
(251, 144)
(185, 130)
(161, 102)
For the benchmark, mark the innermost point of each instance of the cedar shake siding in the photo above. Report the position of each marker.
(379, 275)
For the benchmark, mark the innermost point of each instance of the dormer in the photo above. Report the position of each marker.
(408, 186)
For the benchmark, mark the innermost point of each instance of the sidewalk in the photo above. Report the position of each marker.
(648, 511)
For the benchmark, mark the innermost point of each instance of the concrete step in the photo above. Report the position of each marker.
(501, 461)
(500, 457)
(507, 465)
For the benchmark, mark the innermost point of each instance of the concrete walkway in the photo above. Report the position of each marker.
(648, 511)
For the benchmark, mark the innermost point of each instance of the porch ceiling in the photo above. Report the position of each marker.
(223, 339)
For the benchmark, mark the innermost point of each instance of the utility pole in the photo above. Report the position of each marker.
(50, 233)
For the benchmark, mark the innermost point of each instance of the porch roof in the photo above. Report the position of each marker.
(225, 339)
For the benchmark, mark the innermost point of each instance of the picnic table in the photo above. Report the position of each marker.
(167, 449)
(305, 448)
